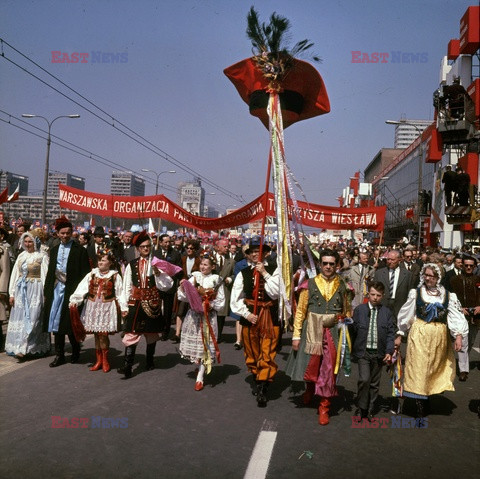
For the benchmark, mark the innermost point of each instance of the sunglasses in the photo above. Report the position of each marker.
(469, 266)
(326, 263)
(145, 246)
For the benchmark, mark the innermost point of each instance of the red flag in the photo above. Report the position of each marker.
(14, 196)
(409, 213)
(4, 196)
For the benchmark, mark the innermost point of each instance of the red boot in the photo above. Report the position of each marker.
(105, 363)
(308, 394)
(98, 364)
(323, 418)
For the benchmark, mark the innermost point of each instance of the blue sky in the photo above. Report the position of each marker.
(173, 92)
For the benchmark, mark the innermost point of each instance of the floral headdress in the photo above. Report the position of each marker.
(205, 254)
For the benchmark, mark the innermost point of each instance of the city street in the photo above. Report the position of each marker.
(166, 429)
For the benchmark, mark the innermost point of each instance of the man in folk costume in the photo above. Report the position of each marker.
(325, 301)
(67, 267)
(258, 286)
(142, 284)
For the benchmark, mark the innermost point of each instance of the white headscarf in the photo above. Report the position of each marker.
(433, 267)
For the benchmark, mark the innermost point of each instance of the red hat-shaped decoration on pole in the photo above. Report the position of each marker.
(274, 68)
(303, 94)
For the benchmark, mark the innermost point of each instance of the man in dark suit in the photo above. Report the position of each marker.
(224, 269)
(397, 281)
(373, 335)
(449, 180)
(409, 265)
(98, 243)
(457, 270)
(67, 267)
(166, 252)
(129, 252)
(466, 287)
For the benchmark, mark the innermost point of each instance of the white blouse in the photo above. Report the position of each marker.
(82, 289)
(28, 258)
(457, 324)
(207, 282)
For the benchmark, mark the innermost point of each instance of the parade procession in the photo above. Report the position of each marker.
(261, 319)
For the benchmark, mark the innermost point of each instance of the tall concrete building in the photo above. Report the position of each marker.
(56, 177)
(192, 196)
(12, 180)
(405, 134)
(125, 183)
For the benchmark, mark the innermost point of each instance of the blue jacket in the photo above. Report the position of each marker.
(359, 331)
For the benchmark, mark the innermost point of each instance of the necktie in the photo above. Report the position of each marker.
(221, 262)
(408, 266)
(392, 281)
(372, 340)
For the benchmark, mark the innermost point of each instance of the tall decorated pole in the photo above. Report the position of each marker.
(280, 90)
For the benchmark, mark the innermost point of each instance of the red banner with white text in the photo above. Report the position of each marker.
(159, 206)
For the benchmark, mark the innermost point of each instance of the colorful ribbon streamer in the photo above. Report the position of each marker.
(344, 347)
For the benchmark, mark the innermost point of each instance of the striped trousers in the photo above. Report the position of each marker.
(260, 353)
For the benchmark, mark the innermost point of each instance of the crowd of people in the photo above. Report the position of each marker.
(363, 297)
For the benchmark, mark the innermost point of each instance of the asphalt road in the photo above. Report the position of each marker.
(168, 430)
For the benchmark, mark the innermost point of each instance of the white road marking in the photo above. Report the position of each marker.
(262, 452)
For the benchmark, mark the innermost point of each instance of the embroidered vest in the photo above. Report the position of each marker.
(318, 304)
(442, 311)
(249, 286)
(102, 287)
(135, 275)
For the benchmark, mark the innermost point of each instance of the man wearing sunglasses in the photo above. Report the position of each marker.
(326, 300)
(467, 288)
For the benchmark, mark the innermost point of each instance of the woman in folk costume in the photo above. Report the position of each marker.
(198, 341)
(24, 334)
(142, 284)
(325, 301)
(429, 314)
(103, 290)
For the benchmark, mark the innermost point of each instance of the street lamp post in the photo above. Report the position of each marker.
(420, 175)
(146, 170)
(47, 160)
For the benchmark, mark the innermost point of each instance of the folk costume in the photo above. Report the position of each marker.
(100, 316)
(67, 267)
(25, 335)
(319, 309)
(141, 290)
(198, 341)
(428, 316)
(259, 339)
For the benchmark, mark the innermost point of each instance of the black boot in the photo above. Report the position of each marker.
(420, 403)
(256, 385)
(262, 394)
(150, 353)
(59, 351)
(75, 353)
(220, 325)
(129, 359)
